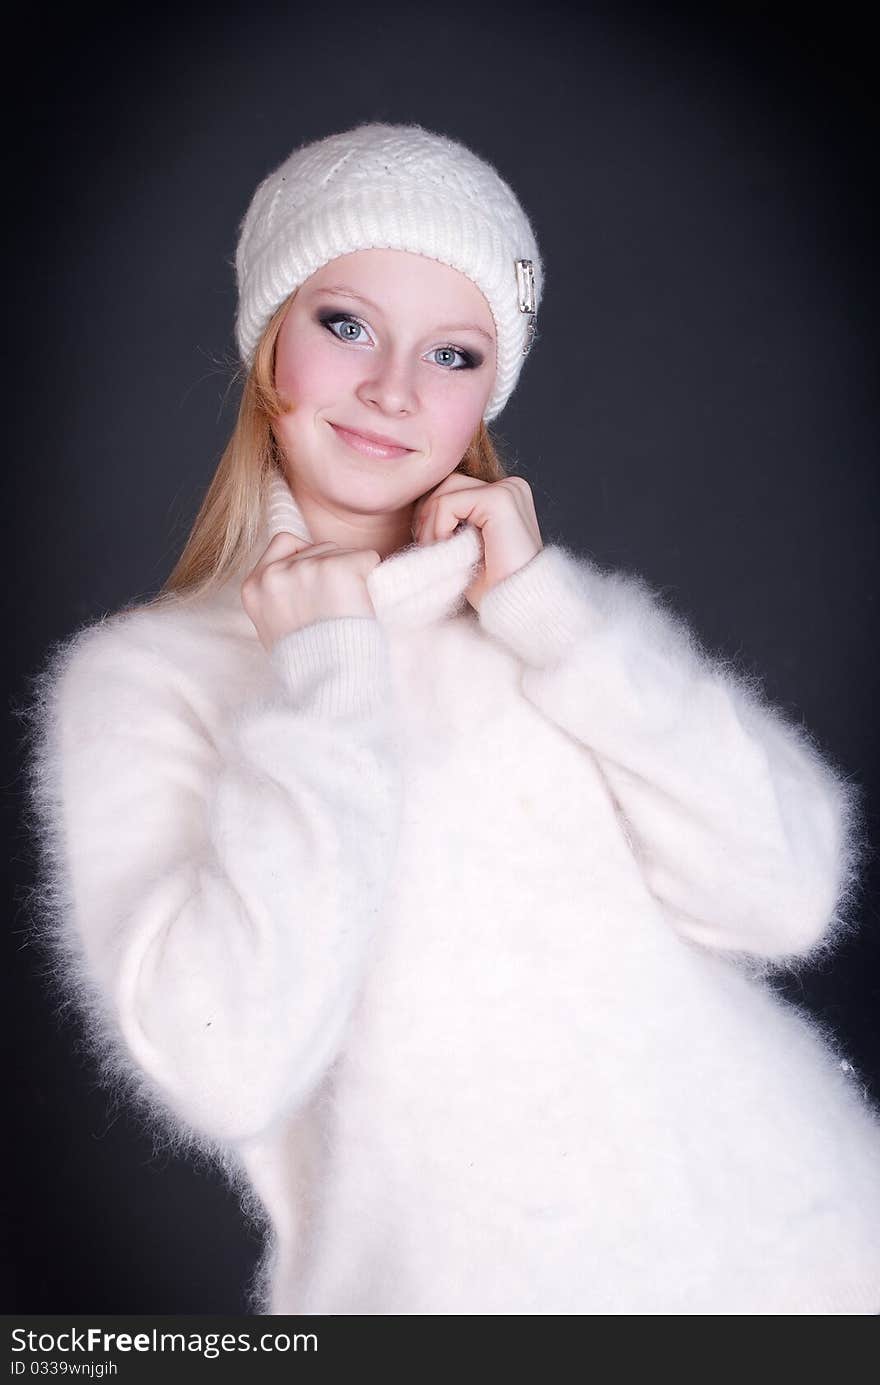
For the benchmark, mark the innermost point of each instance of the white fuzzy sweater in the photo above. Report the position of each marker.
(448, 933)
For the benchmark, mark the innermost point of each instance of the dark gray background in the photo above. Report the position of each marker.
(701, 407)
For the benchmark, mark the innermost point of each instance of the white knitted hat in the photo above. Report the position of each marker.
(397, 187)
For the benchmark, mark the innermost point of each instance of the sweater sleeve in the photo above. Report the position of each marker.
(744, 832)
(214, 895)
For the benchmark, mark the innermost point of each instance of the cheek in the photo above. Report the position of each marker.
(456, 407)
(312, 370)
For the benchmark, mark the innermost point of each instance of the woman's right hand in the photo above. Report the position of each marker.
(296, 582)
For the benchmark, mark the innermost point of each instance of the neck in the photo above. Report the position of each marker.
(385, 533)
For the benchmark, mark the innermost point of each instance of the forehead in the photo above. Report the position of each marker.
(403, 278)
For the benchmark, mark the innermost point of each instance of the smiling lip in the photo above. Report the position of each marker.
(373, 444)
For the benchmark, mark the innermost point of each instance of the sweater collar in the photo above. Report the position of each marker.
(417, 585)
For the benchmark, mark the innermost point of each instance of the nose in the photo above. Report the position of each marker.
(390, 386)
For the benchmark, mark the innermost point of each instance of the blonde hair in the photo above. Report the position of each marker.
(229, 518)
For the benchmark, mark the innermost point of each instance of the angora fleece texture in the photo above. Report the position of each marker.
(448, 936)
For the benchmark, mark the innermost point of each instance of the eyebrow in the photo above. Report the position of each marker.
(347, 292)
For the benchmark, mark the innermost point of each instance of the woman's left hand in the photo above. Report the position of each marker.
(503, 511)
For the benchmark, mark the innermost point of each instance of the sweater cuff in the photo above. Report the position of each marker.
(335, 667)
(540, 610)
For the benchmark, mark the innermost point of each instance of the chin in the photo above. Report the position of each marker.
(370, 497)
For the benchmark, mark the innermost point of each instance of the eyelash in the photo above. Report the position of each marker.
(329, 318)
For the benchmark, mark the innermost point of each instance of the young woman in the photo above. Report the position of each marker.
(425, 875)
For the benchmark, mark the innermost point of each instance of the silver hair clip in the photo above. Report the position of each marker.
(525, 283)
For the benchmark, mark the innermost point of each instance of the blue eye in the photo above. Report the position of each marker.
(467, 358)
(332, 320)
